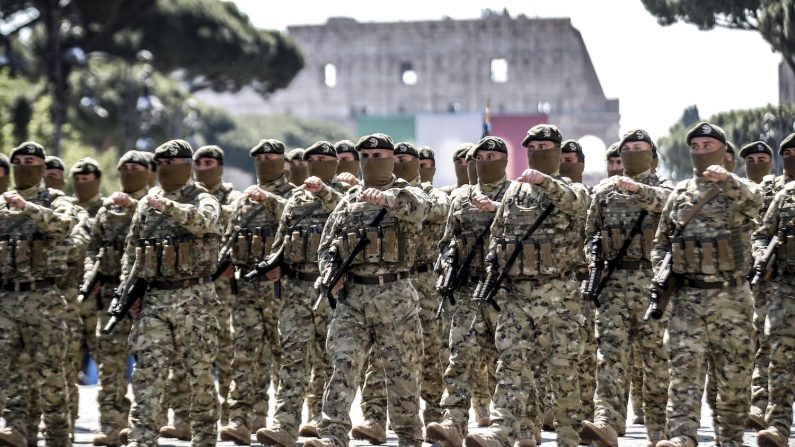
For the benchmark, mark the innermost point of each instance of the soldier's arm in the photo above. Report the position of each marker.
(229, 207)
(745, 194)
(569, 198)
(56, 222)
(329, 197)
(330, 232)
(440, 205)
(274, 203)
(95, 240)
(410, 203)
(131, 243)
(662, 240)
(281, 230)
(761, 237)
(203, 218)
(653, 198)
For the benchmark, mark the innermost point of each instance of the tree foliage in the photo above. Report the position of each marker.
(774, 20)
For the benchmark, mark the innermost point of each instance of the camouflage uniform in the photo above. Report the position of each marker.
(385, 315)
(88, 308)
(587, 363)
(541, 314)
(707, 321)
(619, 319)
(32, 321)
(255, 313)
(302, 330)
(178, 316)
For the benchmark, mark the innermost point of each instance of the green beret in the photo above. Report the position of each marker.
(267, 146)
(27, 148)
(137, 157)
(570, 146)
(426, 153)
(86, 166)
(320, 148)
(704, 129)
(787, 143)
(295, 154)
(729, 147)
(212, 151)
(611, 151)
(174, 149)
(346, 146)
(375, 141)
(51, 162)
(404, 148)
(462, 150)
(150, 158)
(491, 144)
(4, 161)
(543, 132)
(757, 147)
(637, 135)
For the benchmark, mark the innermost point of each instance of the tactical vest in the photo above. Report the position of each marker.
(620, 210)
(785, 256)
(114, 219)
(551, 250)
(302, 239)
(716, 240)
(431, 234)
(770, 186)
(171, 252)
(392, 244)
(28, 254)
(472, 222)
(254, 241)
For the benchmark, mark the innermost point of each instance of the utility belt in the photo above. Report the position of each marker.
(301, 276)
(709, 285)
(181, 284)
(180, 256)
(387, 244)
(108, 279)
(705, 255)
(20, 286)
(634, 265)
(378, 279)
(301, 244)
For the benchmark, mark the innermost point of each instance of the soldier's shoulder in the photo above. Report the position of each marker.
(789, 187)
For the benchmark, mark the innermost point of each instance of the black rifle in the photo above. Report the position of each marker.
(225, 258)
(768, 260)
(335, 273)
(447, 276)
(487, 289)
(663, 285)
(276, 259)
(93, 275)
(592, 283)
(451, 283)
(613, 264)
(126, 295)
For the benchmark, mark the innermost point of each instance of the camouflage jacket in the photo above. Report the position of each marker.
(407, 207)
(780, 213)
(771, 184)
(434, 224)
(226, 195)
(714, 245)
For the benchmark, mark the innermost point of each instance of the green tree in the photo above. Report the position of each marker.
(774, 20)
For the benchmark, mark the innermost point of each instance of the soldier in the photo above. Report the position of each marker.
(472, 211)
(613, 160)
(107, 239)
(256, 309)
(152, 170)
(54, 173)
(780, 340)
(758, 163)
(460, 165)
(298, 167)
(541, 313)
(5, 170)
(378, 306)
(711, 311)
(177, 320)
(303, 330)
(620, 328)
(347, 157)
(730, 159)
(36, 221)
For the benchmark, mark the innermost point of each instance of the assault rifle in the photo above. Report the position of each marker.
(487, 289)
(225, 258)
(454, 278)
(333, 274)
(768, 260)
(126, 295)
(447, 276)
(93, 275)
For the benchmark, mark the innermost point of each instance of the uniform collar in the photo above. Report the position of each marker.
(33, 191)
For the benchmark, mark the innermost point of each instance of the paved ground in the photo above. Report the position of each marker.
(88, 425)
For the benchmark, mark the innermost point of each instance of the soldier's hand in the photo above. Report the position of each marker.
(229, 272)
(375, 196)
(14, 199)
(347, 177)
(135, 309)
(95, 290)
(483, 203)
(120, 199)
(768, 275)
(255, 193)
(531, 176)
(716, 173)
(627, 184)
(313, 184)
(155, 201)
(274, 274)
(340, 284)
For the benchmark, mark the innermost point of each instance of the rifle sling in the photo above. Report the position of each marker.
(697, 207)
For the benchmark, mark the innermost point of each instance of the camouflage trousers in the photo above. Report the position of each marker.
(373, 399)
(23, 398)
(636, 379)
(89, 315)
(33, 323)
(762, 296)
(468, 353)
(255, 325)
(177, 396)
(540, 323)
(619, 328)
(303, 338)
(74, 340)
(587, 364)
(174, 324)
(710, 324)
(780, 332)
(385, 317)
(111, 356)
